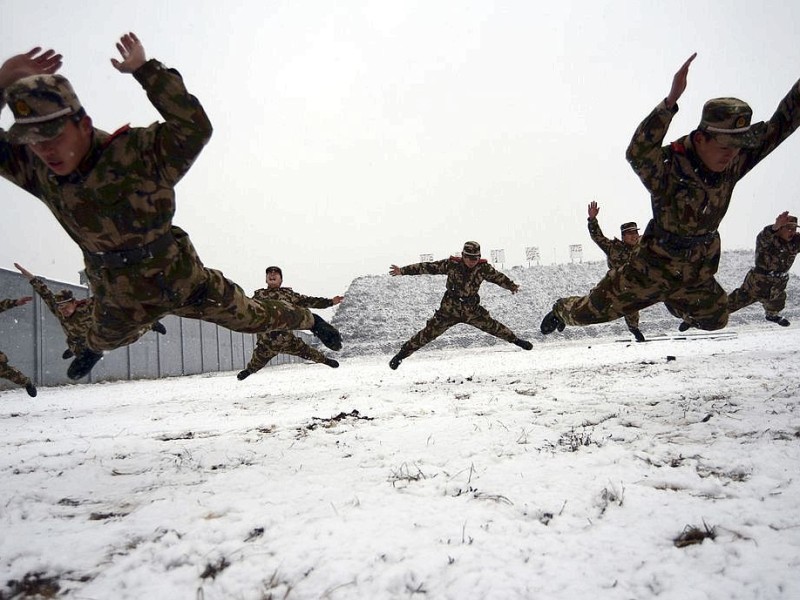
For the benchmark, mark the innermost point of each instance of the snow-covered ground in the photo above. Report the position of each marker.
(489, 472)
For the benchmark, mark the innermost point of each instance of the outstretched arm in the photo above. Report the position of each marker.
(394, 271)
(33, 62)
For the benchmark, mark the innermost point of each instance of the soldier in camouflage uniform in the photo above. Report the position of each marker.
(74, 315)
(691, 182)
(461, 302)
(617, 252)
(272, 343)
(114, 195)
(6, 370)
(776, 247)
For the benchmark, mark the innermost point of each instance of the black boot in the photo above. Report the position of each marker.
(31, 389)
(333, 364)
(243, 375)
(551, 322)
(778, 319)
(82, 364)
(67, 354)
(158, 327)
(524, 344)
(326, 333)
(637, 334)
(684, 326)
(399, 357)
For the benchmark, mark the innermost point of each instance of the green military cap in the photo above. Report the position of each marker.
(41, 105)
(630, 226)
(728, 121)
(63, 296)
(471, 249)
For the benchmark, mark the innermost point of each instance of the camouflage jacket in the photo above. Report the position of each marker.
(121, 196)
(687, 199)
(773, 254)
(77, 324)
(617, 252)
(462, 282)
(292, 297)
(7, 304)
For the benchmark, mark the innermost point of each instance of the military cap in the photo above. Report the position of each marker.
(792, 221)
(41, 105)
(728, 121)
(275, 269)
(625, 227)
(63, 296)
(471, 249)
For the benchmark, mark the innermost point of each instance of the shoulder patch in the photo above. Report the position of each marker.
(482, 261)
(121, 131)
(678, 148)
(456, 259)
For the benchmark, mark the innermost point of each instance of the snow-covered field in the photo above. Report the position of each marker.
(566, 472)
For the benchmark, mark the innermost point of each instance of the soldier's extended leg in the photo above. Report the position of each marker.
(632, 321)
(480, 318)
(776, 302)
(745, 294)
(16, 376)
(436, 326)
(262, 354)
(628, 289)
(704, 306)
(295, 346)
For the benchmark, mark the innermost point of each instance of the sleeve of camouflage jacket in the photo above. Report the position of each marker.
(494, 276)
(45, 293)
(438, 267)
(645, 153)
(7, 303)
(177, 141)
(780, 126)
(15, 164)
(309, 301)
(597, 236)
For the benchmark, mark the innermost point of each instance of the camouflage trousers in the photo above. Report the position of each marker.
(683, 281)
(632, 320)
(129, 300)
(272, 343)
(452, 312)
(11, 373)
(770, 291)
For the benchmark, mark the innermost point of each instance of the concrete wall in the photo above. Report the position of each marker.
(33, 340)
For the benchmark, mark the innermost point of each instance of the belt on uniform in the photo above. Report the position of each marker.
(473, 299)
(778, 274)
(672, 241)
(118, 259)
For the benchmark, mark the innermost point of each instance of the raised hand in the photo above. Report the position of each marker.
(679, 82)
(132, 53)
(781, 220)
(593, 209)
(33, 62)
(27, 274)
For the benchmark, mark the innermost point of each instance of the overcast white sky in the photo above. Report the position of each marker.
(352, 135)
